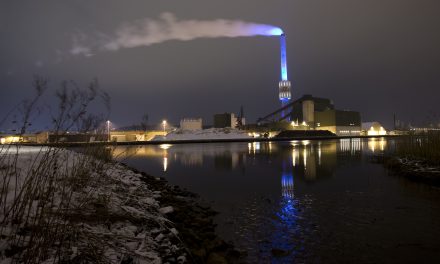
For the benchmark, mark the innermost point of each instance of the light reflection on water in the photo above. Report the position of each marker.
(315, 201)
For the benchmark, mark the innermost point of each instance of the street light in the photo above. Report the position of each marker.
(108, 130)
(164, 124)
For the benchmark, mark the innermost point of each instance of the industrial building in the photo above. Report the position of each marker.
(191, 124)
(308, 113)
(225, 120)
(130, 136)
(40, 137)
(320, 114)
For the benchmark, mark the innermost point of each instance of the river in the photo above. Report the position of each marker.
(304, 201)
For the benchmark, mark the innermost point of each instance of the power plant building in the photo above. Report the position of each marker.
(320, 114)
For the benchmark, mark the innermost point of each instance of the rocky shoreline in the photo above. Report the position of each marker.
(414, 169)
(194, 223)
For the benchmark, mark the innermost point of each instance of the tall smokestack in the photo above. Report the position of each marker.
(284, 84)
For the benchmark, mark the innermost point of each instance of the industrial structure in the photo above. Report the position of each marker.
(191, 124)
(225, 120)
(284, 85)
(313, 113)
(229, 120)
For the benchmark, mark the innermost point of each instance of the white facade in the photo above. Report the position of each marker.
(308, 108)
(342, 130)
(191, 124)
(373, 129)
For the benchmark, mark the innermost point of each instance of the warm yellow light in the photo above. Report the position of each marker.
(165, 146)
(165, 164)
(11, 139)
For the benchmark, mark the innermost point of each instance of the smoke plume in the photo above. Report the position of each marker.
(167, 27)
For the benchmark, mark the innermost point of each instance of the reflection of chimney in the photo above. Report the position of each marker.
(287, 185)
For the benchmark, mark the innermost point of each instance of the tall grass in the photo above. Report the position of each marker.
(38, 219)
(424, 146)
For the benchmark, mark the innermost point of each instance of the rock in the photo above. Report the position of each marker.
(201, 253)
(276, 252)
(174, 231)
(166, 210)
(159, 237)
(215, 258)
(181, 259)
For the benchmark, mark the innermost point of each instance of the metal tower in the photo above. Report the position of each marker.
(284, 84)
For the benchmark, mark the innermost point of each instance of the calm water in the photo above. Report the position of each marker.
(320, 201)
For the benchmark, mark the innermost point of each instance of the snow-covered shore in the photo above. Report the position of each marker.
(98, 211)
(414, 169)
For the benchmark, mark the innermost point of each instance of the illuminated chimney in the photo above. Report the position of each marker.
(284, 84)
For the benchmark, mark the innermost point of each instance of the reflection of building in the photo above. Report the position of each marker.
(313, 160)
(191, 124)
(350, 145)
(375, 145)
(229, 160)
(191, 159)
(373, 129)
(320, 114)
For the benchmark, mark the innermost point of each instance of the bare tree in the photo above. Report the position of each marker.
(144, 122)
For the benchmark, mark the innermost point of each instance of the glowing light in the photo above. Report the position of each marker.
(295, 156)
(276, 32)
(11, 139)
(305, 158)
(165, 146)
(319, 153)
(287, 185)
(165, 163)
(283, 58)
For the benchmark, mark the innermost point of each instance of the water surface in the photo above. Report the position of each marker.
(311, 201)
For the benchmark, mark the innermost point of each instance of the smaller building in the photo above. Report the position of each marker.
(373, 129)
(40, 138)
(225, 120)
(191, 124)
(135, 135)
(10, 139)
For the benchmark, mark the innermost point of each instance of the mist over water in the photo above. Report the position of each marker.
(167, 27)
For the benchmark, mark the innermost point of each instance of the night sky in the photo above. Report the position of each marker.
(377, 57)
